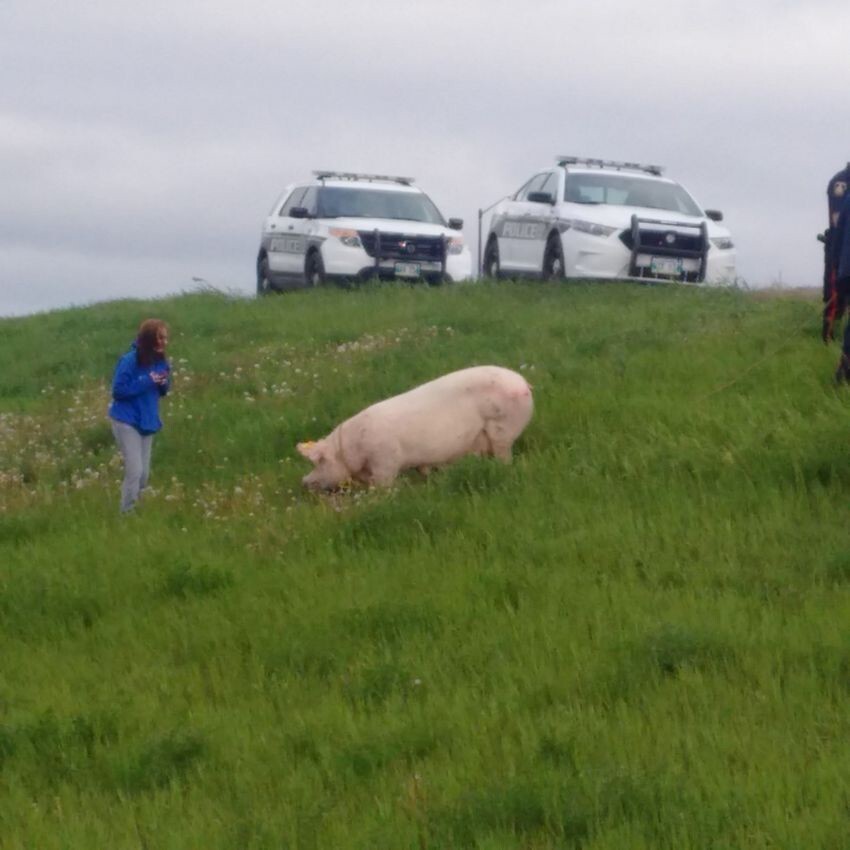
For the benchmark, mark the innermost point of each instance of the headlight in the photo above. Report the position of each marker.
(590, 227)
(455, 245)
(724, 243)
(350, 238)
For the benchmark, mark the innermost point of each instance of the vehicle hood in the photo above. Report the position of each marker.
(621, 217)
(392, 225)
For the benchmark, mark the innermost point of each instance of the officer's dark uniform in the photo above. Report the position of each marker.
(840, 259)
(835, 297)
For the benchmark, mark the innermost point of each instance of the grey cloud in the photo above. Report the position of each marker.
(152, 139)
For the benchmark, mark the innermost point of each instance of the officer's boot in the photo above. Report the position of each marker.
(842, 372)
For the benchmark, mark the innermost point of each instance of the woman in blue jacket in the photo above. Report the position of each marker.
(141, 377)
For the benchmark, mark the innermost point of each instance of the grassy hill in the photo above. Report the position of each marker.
(636, 636)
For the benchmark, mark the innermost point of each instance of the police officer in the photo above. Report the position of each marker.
(841, 263)
(835, 297)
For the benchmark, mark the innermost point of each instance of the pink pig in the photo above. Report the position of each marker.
(480, 411)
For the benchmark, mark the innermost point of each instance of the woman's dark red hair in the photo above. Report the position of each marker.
(149, 330)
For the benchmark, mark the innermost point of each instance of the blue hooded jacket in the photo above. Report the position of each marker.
(135, 395)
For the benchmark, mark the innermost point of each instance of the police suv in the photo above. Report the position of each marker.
(348, 226)
(593, 218)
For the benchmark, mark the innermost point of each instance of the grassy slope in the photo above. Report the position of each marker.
(635, 636)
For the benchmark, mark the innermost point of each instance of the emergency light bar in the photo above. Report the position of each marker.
(610, 163)
(351, 175)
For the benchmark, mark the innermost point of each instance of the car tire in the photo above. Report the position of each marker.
(491, 267)
(314, 270)
(264, 284)
(553, 259)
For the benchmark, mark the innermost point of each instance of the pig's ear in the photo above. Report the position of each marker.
(312, 451)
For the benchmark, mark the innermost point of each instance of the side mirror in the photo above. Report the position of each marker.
(299, 212)
(540, 198)
(822, 238)
(714, 215)
(456, 223)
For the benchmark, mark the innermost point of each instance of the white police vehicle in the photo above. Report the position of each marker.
(592, 218)
(348, 226)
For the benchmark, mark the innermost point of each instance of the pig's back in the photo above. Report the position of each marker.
(464, 388)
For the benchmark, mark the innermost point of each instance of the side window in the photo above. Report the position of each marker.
(309, 200)
(293, 200)
(550, 185)
(521, 192)
(533, 185)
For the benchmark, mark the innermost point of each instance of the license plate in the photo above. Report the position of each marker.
(408, 269)
(671, 266)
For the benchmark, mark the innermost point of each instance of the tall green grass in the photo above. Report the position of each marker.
(637, 635)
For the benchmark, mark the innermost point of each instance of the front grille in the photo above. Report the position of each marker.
(686, 243)
(398, 246)
(662, 239)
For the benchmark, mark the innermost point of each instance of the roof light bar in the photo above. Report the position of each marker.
(352, 175)
(610, 163)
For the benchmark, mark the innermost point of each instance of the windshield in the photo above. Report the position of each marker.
(342, 202)
(625, 191)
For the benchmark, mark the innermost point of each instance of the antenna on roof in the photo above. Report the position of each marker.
(609, 163)
(353, 175)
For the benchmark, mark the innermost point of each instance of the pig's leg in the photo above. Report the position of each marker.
(383, 476)
(502, 451)
(382, 466)
(501, 441)
(481, 445)
(376, 474)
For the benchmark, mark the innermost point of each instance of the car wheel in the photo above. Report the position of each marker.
(553, 260)
(314, 270)
(264, 284)
(492, 269)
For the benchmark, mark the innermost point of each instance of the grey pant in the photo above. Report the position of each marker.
(136, 450)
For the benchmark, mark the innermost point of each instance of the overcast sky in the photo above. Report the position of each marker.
(141, 144)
